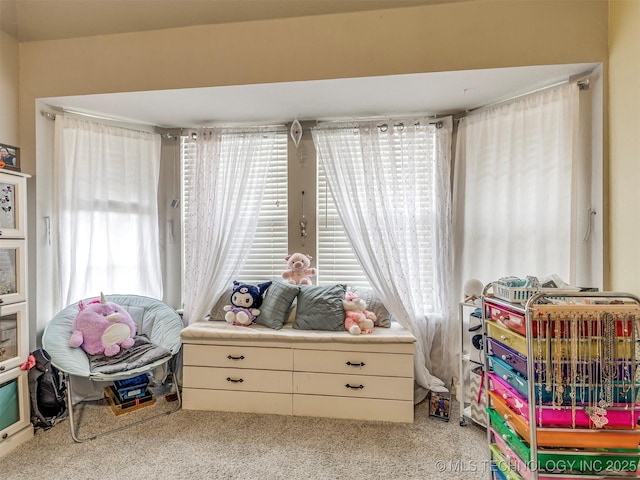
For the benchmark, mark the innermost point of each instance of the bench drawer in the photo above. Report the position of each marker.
(232, 356)
(356, 363)
(237, 379)
(353, 408)
(228, 401)
(360, 386)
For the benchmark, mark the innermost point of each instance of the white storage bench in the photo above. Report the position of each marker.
(299, 372)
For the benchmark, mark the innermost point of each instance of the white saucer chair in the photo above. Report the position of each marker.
(154, 319)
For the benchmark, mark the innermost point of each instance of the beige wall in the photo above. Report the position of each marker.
(9, 76)
(480, 34)
(445, 37)
(624, 150)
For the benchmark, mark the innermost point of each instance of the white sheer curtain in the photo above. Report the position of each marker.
(106, 207)
(515, 193)
(223, 197)
(391, 187)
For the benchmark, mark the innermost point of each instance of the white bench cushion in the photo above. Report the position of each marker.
(211, 330)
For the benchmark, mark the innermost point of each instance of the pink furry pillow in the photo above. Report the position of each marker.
(102, 327)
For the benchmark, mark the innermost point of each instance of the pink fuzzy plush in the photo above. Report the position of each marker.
(102, 327)
(357, 319)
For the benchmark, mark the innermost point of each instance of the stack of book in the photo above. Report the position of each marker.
(129, 395)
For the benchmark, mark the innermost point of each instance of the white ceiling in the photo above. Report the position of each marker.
(424, 94)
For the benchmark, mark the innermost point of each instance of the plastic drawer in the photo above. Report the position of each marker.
(570, 438)
(621, 415)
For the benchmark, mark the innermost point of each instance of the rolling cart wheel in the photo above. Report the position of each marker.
(463, 423)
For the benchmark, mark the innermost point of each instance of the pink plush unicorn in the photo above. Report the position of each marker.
(357, 319)
(102, 327)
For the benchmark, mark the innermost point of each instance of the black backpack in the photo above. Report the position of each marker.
(47, 391)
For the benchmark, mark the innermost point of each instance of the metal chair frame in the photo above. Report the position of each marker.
(72, 362)
(72, 423)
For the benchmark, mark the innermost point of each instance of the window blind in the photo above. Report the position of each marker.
(336, 260)
(265, 260)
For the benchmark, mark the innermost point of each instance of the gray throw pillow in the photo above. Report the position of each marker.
(275, 306)
(320, 308)
(374, 304)
(217, 312)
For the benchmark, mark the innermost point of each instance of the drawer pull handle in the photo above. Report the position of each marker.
(360, 364)
(359, 387)
(504, 338)
(2, 368)
(234, 380)
(231, 357)
(506, 377)
(506, 357)
(5, 436)
(505, 436)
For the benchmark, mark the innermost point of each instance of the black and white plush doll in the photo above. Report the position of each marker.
(245, 303)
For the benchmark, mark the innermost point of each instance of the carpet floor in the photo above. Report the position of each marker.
(219, 445)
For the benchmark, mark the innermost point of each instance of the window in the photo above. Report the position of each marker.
(265, 260)
(336, 261)
(404, 155)
(106, 204)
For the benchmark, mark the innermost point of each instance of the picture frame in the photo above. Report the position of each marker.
(439, 405)
(9, 157)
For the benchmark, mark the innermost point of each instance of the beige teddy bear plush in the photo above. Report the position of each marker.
(299, 269)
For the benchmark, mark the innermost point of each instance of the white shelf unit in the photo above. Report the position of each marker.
(15, 413)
